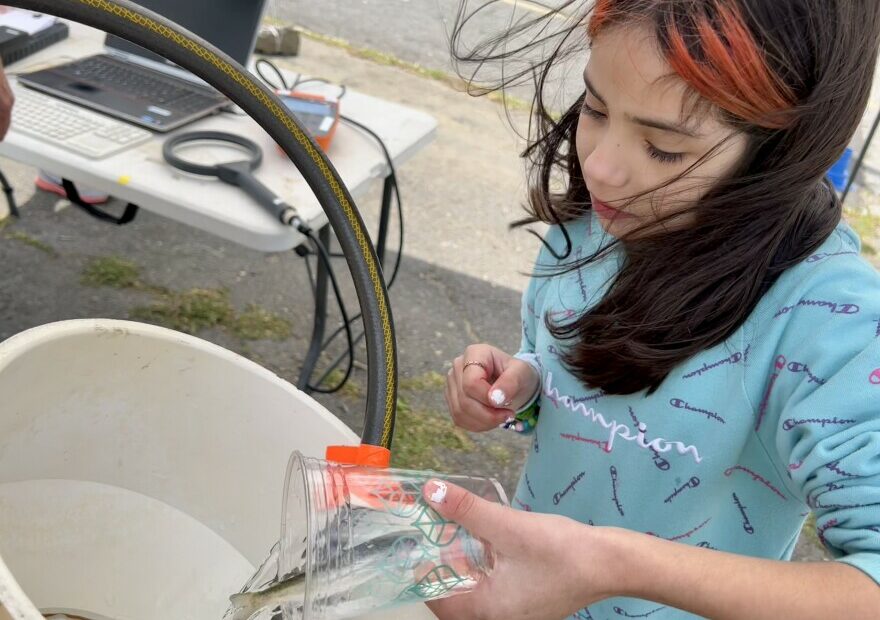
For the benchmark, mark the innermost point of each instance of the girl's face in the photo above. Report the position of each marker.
(634, 136)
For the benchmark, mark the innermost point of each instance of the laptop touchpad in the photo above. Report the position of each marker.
(84, 87)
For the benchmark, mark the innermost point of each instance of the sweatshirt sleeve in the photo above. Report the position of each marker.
(531, 311)
(526, 417)
(826, 390)
(532, 316)
(529, 316)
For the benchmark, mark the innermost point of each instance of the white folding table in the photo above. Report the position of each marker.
(141, 177)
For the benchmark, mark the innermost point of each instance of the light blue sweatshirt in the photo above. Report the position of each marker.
(739, 443)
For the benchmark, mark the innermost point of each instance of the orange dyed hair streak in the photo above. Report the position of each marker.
(732, 71)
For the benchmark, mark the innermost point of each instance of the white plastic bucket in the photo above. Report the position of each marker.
(141, 471)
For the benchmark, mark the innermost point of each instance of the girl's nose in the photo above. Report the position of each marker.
(606, 166)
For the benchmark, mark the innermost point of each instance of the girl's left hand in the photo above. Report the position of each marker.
(547, 567)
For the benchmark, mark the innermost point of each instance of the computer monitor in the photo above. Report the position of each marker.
(231, 25)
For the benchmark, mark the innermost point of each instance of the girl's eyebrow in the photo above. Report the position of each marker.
(647, 122)
(593, 90)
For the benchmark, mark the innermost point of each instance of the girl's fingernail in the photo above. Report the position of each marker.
(498, 397)
(437, 490)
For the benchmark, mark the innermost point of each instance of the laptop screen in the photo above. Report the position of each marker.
(231, 25)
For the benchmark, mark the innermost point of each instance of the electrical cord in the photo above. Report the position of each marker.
(324, 256)
(262, 62)
(279, 82)
(396, 188)
(320, 250)
(305, 256)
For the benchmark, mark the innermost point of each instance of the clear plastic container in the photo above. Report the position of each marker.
(363, 539)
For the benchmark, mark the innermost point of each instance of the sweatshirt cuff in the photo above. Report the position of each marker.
(525, 418)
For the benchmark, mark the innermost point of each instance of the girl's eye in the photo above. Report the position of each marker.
(663, 156)
(591, 112)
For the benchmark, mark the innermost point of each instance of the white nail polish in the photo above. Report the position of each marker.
(498, 397)
(439, 493)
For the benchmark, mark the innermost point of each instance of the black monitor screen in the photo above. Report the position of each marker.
(231, 25)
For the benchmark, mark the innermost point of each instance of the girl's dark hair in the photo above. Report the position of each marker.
(793, 75)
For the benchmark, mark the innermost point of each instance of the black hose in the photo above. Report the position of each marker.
(154, 32)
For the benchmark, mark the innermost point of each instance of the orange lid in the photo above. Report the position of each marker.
(364, 454)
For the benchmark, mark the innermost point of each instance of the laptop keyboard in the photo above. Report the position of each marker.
(142, 84)
(72, 127)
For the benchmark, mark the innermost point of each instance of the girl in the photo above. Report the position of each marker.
(700, 361)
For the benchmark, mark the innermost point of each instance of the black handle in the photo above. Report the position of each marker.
(239, 173)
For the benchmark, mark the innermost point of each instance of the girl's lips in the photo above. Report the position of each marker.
(608, 212)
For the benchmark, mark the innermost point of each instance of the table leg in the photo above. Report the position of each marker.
(384, 217)
(320, 318)
(10, 201)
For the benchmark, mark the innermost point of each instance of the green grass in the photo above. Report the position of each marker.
(430, 381)
(203, 308)
(867, 226)
(500, 453)
(190, 311)
(112, 272)
(422, 435)
(26, 239)
(352, 389)
(257, 323)
(186, 311)
(418, 435)
(809, 532)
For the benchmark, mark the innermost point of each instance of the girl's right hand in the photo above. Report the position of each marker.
(485, 386)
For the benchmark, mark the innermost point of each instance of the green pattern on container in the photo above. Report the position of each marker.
(411, 553)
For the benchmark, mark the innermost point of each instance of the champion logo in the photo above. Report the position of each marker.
(618, 429)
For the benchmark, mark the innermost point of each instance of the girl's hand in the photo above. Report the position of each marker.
(485, 386)
(547, 567)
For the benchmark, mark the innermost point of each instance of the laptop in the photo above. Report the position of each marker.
(133, 84)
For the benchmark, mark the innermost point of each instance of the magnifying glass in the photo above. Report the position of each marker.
(231, 159)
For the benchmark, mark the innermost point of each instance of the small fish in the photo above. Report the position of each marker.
(247, 604)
